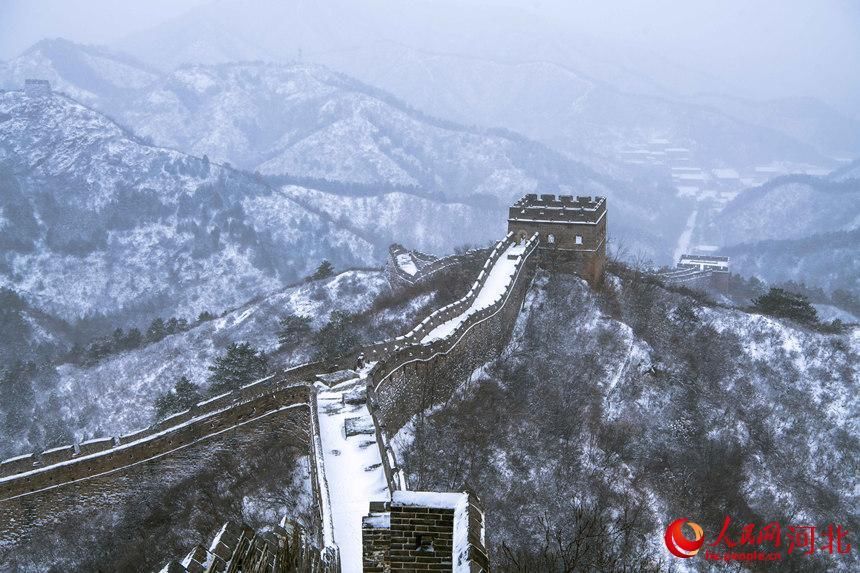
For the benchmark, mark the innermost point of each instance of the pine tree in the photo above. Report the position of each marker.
(118, 339)
(338, 337)
(133, 339)
(781, 303)
(204, 316)
(171, 326)
(292, 328)
(181, 397)
(324, 271)
(186, 392)
(240, 365)
(156, 330)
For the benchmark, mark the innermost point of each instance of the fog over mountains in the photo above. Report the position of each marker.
(198, 194)
(483, 65)
(359, 162)
(369, 119)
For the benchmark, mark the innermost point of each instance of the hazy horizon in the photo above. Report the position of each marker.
(764, 50)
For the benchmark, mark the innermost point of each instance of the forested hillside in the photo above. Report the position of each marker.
(610, 414)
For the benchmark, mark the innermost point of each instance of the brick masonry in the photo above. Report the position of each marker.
(572, 232)
(415, 376)
(42, 489)
(33, 517)
(421, 532)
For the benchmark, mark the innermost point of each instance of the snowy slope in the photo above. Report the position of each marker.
(501, 65)
(102, 222)
(666, 408)
(309, 122)
(118, 393)
(791, 207)
(94, 75)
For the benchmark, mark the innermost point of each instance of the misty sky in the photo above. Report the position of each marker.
(762, 48)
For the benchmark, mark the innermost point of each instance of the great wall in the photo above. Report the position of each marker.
(336, 414)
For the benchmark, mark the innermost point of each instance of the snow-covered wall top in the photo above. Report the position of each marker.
(391, 391)
(23, 475)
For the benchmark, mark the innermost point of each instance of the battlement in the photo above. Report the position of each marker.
(571, 230)
(237, 547)
(704, 263)
(409, 267)
(34, 87)
(439, 531)
(698, 271)
(395, 382)
(28, 474)
(549, 208)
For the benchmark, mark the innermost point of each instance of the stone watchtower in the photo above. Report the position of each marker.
(37, 88)
(426, 531)
(572, 231)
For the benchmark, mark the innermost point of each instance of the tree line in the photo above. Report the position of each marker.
(122, 340)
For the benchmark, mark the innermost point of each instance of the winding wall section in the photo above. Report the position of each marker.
(411, 373)
(416, 370)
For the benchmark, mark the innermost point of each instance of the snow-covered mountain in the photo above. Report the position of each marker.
(791, 207)
(304, 120)
(577, 114)
(314, 125)
(830, 260)
(640, 404)
(94, 75)
(308, 121)
(117, 394)
(503, 66)
(803, 119)
(795, 228)
(96, 221)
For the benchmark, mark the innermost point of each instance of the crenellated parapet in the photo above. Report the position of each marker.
(417, 373)
(285, 548)
(409, 267)
(56, 467)
(572, 231)
(696, 271)
(268, 390)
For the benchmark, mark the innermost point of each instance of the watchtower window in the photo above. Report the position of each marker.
(424, 542)
(579, 239)
(550, 239)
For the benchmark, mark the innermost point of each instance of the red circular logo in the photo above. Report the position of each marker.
(678, 544)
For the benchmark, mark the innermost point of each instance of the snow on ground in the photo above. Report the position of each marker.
(828, 312)
(499, 278)
(117, 394)
(353, 468)
(405, 262)
(683, 245)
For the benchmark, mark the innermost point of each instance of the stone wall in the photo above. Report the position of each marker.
(65, 526)
(38, 491)
(284, 549)
(695, 278)
(376, 538)
(427, 265)
(61, 465)
(116, 449)
(427, 531)
(414, 376)
(572, 232)
(106, 483)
